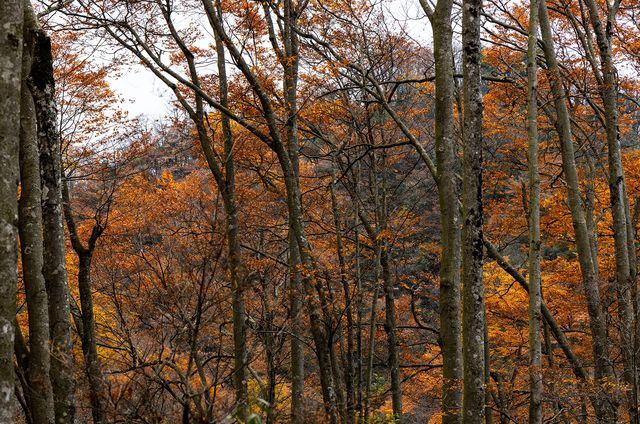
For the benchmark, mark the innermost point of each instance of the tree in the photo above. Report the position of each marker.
(473, 327)
(11, 24)
(535, 292)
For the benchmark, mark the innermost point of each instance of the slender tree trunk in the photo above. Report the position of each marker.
(389, 298)
(349, 366)
(449, 298)
(297, 330)
(472, 215)
(392, 339)
(11, 23)
(233, 245)
(97, 393)
(290, 85)
(294, 207)
(30, 230)
(535, 293)
(371, 342)
(93, 371)
(604, 404)
(42, 87)
(360, 314)
(617, 191)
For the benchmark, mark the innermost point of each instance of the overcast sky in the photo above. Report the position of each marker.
(145, 95)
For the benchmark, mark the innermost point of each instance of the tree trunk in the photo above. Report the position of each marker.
(97, 393)
(604, 404)
(349, 370)
(535, 294)
(296, 293)
(11, 23)
(233, 244)
(42, 87)
(617, 191)
(392, 339)
(449, 298)
(389, 297)
(472, 215)
(30, 230)
(297, 330)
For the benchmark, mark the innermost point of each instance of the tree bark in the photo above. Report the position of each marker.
(11, 23)
(296, 293)
(535, 293)
(41, 84)
(472, 248)
(30, 231)
(450, 260)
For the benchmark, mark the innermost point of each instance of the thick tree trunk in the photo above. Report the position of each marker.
(42, 87)
(11, 23)
(30, 230)
(40, 392)
(472, 215)
(604, 404)
(535, 293)
(450, 308)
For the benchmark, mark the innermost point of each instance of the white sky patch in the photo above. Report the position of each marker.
(143, 93)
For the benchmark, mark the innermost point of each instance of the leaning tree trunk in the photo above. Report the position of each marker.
(473, 408)
(30, 230)
(42, 87)
(604, 404)
(617, 192)
(11, 22)
(535, 293)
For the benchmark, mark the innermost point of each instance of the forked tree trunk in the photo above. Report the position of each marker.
(92, 366)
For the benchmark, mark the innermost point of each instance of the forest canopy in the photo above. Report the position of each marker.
(351, 211)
